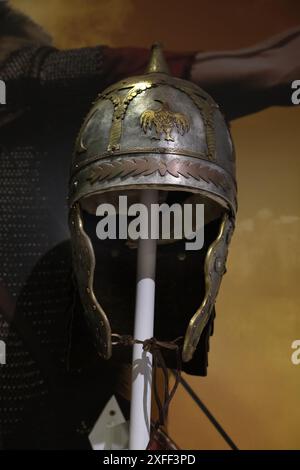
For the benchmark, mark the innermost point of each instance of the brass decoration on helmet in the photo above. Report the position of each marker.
(164, 120)
(146, 166)
(127, 143)
(120, 107)
(207, 116)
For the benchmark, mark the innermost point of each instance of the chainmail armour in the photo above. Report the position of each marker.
(51, 87)
(54, 385)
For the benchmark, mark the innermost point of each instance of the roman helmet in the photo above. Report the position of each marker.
(152, 131)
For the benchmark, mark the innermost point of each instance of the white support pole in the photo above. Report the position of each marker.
(140, 412)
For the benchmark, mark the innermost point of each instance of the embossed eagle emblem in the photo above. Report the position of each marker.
(165, 121)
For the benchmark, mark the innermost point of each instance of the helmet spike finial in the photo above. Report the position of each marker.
(157, 63)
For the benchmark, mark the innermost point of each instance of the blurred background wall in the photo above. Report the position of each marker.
(252, 386)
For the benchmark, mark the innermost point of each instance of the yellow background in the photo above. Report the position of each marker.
(252, 387)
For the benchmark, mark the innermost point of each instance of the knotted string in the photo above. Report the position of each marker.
(155, 347)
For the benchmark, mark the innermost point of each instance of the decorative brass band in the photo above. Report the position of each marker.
(156, 150)
(146, 166)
